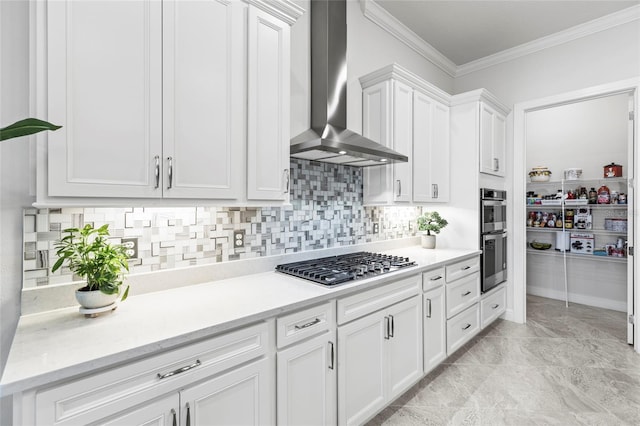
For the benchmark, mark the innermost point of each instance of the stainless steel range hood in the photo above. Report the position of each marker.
(328, 140)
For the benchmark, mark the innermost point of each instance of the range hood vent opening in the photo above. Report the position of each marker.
(328, 140)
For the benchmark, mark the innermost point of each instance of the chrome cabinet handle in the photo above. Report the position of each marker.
(309, 324)
(170, 159)
(179, 370)
(392, 326)
(175, 420)
(386, 328)
(496, 164)
(287, 180)
(466, 326)
(495, 306)
(468, 292)
(464, 268)
(331, 356)
(434, 190)
(157, 171)
(428, 308)
(439, 277)
(399, 187)
(188, 415)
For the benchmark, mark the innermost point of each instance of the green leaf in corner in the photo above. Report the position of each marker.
(125, 295)
(26, 127)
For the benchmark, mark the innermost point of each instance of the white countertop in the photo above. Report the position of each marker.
(59, 344)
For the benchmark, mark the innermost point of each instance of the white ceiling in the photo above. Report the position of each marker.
(465, 30)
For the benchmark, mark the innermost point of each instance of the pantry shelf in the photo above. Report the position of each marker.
(592, 231)
(588, 257)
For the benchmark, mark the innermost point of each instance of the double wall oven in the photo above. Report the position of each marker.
(493, 237)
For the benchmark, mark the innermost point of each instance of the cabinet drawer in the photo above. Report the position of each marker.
(352, 307)
(493, 305)
(300, 325)
(433, 278)
(462, 293)
(97, 396)
(463, 268)
(462, 327)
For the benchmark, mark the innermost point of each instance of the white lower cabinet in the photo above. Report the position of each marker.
(227, 379)
(462, 302)
(492, 305)
(307, 367)
(462, 327)
(379, 357)
(435, 327)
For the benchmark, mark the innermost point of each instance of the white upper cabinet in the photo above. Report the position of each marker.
(203, 86)
(167, 105)
(105, 89)
(492, 140)
(268, 138)
(411, 116)
(431, 150)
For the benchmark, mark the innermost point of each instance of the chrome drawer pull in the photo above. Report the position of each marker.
(495, 306)
(179, 370)
(466, 294)
(466, 326)
(309, 324)
(464, 268)
(439, 277)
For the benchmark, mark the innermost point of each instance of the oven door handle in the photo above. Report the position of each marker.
(494, 236)
(494, 203)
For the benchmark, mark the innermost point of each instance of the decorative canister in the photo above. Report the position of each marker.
(622, 198)
(612, 170)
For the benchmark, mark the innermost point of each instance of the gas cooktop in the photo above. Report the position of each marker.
(333, 270)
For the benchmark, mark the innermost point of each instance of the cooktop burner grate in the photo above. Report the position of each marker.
(333, 270)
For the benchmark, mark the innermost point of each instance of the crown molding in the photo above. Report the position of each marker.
(600, 24)
(386, 21)
(480, 95)
(378, 15)
(285, 10)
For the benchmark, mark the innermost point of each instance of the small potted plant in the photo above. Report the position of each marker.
(88, 254)
(430, 222)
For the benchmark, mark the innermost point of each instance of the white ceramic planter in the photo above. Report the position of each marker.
(428, 241)
(95, 299)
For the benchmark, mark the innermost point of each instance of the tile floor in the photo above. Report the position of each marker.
(564, 367)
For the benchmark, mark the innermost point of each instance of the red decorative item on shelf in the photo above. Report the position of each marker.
(604, 195)
(612, 170)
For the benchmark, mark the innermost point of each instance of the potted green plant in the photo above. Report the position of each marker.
(88, 253)
(430, 222)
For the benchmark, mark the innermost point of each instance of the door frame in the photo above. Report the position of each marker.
(631, 86)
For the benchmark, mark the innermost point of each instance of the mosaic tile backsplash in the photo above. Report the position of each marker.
(326, 211)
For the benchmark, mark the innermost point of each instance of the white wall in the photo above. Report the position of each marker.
(586, 135)
(369, 48)
(14, 169)
(603, 57)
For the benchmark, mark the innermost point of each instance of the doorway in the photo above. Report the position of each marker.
(562, 274)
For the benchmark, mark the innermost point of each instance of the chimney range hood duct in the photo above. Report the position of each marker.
(328, 140)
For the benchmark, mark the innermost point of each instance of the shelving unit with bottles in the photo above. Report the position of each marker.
(608, 225)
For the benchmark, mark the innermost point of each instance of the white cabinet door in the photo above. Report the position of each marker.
(402, 130)
(404, 355)
(203, 99)
(162, 412)
(240, 397)
(361, 368)
(306, 380)
(268, 103)
(376, 125)
(431, 150)
(434, 337)
(379, 357)
(105, 89)
(492, 141)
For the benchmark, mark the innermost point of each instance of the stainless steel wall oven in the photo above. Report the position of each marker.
(493, 237)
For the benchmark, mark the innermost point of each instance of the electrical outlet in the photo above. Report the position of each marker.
(131, 246)
(238, 238)
(376, 228)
